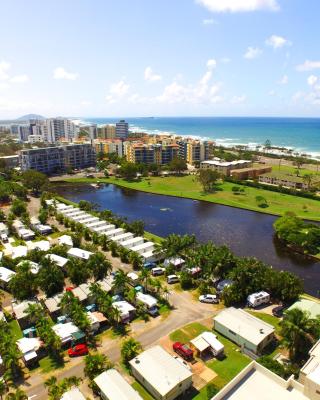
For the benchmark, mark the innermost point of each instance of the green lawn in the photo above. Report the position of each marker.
(48, 364)
(15, 329)
(232, 364)
(187, 333)
(142, 391)
(187, 186)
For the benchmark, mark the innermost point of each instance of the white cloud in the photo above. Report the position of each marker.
(252, 52)
(61, 73)
(117, 91)
(225, 60)
(277, 42)
(272, 93)
(211, 63)
(239, 5)
(239, 99)
(308, 65)
(297, 96)
(209, 21)
(4, 85)
(4, 68)
(150, 76)
(85, 103)
(19, 78)
(203, 92)
(284, 80)
(312, 80)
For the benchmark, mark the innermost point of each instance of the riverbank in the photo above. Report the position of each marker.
(189, 187)
(147, 235)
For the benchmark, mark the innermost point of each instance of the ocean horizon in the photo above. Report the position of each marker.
(300, 134)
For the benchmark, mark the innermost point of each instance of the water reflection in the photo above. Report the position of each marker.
(247, 233)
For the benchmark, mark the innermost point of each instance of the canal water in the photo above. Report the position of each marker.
(247, 233)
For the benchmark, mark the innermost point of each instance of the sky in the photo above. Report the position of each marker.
(127, 58)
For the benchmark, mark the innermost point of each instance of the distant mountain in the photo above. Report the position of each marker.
(30, 116)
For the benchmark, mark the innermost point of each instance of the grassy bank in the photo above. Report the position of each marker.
(188, 187)
(147, 235)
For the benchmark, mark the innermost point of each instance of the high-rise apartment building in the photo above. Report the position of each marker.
(122, 129)
(194, 150)
(109, 146)
(151, 153)
(58, 158)
(107, 132)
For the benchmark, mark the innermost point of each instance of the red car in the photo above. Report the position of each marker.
(78, 350)
(183, 350)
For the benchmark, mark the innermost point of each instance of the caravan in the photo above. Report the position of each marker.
(257, 299)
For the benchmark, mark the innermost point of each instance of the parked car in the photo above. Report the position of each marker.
(183, 350)
(278, 311)
(157, 271)
(78, 350)
(172, 279)
(209, 298)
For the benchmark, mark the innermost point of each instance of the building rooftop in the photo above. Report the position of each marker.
(6, 274)
(80, 253)
(310, 306)
(115, 387)
(43, 245)
(20, 308)
(60, 261)
(73, 394)
(160, 369)
(244, 324)
(257, 382)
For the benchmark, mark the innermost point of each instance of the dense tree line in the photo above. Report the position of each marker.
(300, 235)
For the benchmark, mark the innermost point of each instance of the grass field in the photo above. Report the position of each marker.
(15, 329)
(188, 187)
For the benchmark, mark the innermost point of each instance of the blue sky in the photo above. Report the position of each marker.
(160, 58)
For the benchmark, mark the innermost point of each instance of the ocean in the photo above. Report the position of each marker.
(300, 134)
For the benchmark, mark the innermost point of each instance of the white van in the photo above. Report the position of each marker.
(257, 299)
(156, 271)
(172, 279)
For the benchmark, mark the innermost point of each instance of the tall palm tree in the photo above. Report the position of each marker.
(136, 260)
(120, 281)
(130, 348)
(95, 364)
(145, 277)
(299, 332)
(99, 265)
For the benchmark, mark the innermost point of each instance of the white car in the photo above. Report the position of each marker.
(209, 298)
(172, 279)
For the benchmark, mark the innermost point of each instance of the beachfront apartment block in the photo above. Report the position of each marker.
(107, 132)
(150, 153)
(194, 151)
(122, 129)
(58, 158)
(108, 146)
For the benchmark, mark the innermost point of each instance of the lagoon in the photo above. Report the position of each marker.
(247, 233)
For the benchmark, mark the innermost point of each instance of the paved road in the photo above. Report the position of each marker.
(186, 310)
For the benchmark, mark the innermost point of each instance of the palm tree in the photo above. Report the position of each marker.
(145, 277)
(18, 394)
(307, 179)
(299, 332)
(136, 260)
(99, 266)
(130, 349)
(95, 364)
(120, 281)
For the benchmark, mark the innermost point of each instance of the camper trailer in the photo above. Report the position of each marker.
(257, 299)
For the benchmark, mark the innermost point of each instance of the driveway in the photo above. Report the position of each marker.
(186, 310)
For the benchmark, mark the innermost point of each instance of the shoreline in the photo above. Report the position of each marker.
(129, 185)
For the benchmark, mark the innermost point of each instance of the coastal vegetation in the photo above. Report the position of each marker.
(188, 186)
(301, 236)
